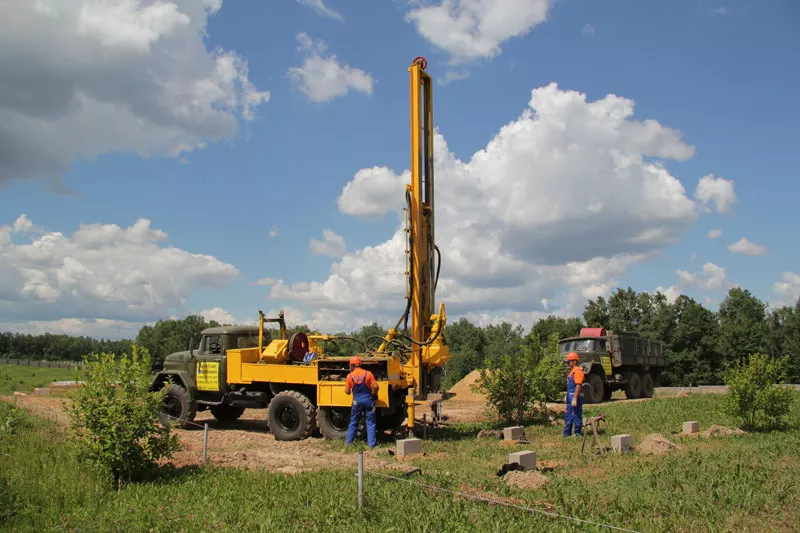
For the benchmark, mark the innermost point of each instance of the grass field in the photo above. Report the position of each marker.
(26, 378)
(734, 483)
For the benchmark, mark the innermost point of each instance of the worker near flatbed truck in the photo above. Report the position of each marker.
(361, 383)
(573, 418)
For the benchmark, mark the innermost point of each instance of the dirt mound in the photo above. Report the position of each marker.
(722, 431)
(656, 444)
(463, 389)
(490, 434)
(525, 480)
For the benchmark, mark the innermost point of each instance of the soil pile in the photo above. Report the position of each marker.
(463, 389)
(656, 444)
(530, 479)
(722, 431)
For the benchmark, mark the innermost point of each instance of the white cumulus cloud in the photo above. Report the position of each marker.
(557, 206)
(320, 7)
(787, 289)
(101, 271)
(717, 190)
(474, 29)
(715, 234)
(323, 79)
(747, 247)
(86, 77)
(331, 245)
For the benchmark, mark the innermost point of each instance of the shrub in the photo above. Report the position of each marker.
(753, 396)
(115, 416)
(516, 385)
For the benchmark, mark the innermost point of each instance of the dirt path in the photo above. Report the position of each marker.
(245, 443)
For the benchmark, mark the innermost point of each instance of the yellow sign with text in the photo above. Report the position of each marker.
(208, 376)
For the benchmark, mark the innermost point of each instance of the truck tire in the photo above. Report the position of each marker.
(333, 422)
(593, 390)
(178, 408)
(226, 413)
(633, 389)
(647, 385)
(292, 416)
(606, 392)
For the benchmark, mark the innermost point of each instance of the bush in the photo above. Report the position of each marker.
(516, 385)
(753, 396)
(115, 416)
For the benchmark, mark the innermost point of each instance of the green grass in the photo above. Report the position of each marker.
(736, 483)
(26, 378)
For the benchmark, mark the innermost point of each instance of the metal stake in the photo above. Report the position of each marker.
(360, 479)
(205, 442)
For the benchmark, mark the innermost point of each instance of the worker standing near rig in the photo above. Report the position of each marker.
(574, 415)
(362, 385)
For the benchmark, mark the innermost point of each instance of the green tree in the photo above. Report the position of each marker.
(115, 417)
(596, 313)
(783, 331)
(562, 328)
(742, 325)
(169, 336)
(692, 358)
(467, 344)
(753, 396)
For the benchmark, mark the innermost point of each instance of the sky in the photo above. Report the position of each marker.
(173, 157)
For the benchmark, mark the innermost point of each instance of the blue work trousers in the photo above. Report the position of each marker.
(573, 418)
(355, 417)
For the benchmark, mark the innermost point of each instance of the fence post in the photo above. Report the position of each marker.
(360, 479)
(205, 442)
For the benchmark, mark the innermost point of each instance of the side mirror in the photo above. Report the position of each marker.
(191, 343)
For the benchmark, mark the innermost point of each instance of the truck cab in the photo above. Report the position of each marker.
(198, 376)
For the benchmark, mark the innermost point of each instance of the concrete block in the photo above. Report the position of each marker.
(409, 447)
(526, 460)
(41, 390)
(514, 433)
(691, 427)
(621, 443)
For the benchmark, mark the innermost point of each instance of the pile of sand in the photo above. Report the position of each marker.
(530, 479)
(722, 431)
(656, 444)
(463, 391)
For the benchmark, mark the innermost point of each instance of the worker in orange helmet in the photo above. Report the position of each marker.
(361, 383)
(574, 414)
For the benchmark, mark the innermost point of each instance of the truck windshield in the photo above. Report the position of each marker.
(582, 345)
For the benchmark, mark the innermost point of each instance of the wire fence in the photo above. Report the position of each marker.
(73, 365)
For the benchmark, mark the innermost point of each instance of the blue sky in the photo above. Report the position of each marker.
(142, 119)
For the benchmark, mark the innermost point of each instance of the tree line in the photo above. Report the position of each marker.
(700, 343)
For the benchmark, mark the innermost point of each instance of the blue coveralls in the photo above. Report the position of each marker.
(573, 416)
(362, 403)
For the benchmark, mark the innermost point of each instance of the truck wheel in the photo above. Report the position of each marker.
(177, 408)
(647, 385)
(633, 389)
(593, 393)
(333, 422)
(291, 416)
(606, 392)
(226, 413)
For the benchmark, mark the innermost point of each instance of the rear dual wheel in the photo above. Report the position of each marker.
(292, 416)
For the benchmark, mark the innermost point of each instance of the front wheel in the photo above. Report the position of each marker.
(593, 393)
(177, 408)
(292, 416)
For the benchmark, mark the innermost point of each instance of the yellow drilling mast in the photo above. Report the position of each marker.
(302, 387)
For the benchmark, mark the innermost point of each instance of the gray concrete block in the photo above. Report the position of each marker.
(409, 447)
(526, 459)
(514, 433)
(691, 427)
(621, 443)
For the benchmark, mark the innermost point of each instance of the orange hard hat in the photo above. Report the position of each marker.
(573, 356)
(355, 360)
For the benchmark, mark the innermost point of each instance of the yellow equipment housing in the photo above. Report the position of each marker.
(407, 364)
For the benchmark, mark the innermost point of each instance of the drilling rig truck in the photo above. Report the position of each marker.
(301, 387)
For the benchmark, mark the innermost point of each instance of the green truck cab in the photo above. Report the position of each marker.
(199, 381)
(616, 361)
